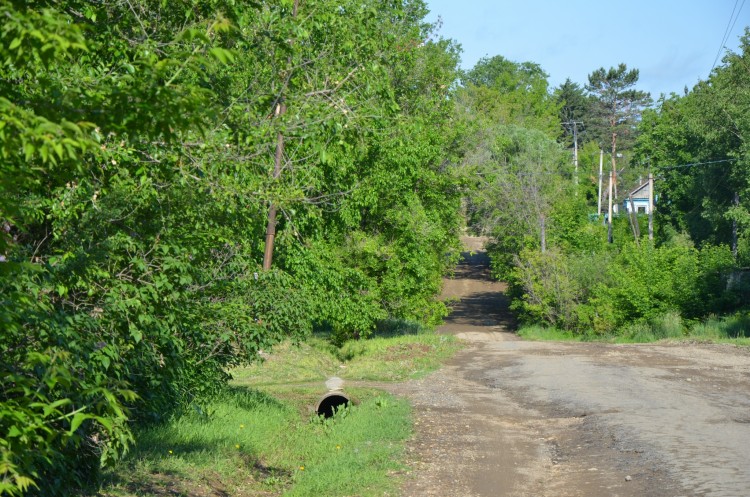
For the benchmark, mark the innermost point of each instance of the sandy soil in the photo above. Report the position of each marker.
(512, 418)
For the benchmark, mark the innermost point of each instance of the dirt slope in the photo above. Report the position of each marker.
(514, 418)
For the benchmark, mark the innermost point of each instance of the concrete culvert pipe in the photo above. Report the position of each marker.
(330, 402)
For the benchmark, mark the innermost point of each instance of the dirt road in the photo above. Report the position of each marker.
(512, 418)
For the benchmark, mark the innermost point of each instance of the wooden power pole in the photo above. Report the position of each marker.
(601, 165)
(614, 162)
(650, 206)
(575, 150)
(279, 111)
(610, 239)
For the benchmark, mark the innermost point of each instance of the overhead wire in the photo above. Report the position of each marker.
(736, 18)
(693, 164)
(730, 26)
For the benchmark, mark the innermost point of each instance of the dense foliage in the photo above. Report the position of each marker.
(698, 146)
(547, 240)
(139, 140)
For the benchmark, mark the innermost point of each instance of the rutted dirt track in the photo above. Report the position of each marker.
(512, 418)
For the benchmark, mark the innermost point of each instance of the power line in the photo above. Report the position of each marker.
(724, 37)
(735, 19)
(730, 26)
(693, 164)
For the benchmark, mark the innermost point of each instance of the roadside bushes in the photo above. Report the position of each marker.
(606, 291)
(138, 157)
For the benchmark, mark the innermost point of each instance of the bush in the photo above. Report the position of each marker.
(605, 291)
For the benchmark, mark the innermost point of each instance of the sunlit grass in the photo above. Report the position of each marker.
(263, 437)
(546, 333)
(379, 358)
(733, 329)
(250, 443)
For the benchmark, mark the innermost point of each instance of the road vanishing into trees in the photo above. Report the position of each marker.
(512, 418)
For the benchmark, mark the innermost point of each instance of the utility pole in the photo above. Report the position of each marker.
(601, 164)
(650, 206)
(734, 227)
(609, 218)
(575, 149)
(279, 111)
(633, 216)
(614, 161)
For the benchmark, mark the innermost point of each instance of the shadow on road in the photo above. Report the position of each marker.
(480, 300)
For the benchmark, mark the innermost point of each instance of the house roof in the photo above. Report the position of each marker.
(640, 192)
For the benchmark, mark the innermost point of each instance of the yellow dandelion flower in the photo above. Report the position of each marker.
(338, 447)
(242, 427)
(236, 446)
(301, 468)
(170, 451)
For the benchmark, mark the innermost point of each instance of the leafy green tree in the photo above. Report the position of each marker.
(520, 180)
(697, 145)
(138, 144)
(616, 110)
(508, 92)
(575, 107)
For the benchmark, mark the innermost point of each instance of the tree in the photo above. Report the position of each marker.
(575, 106)
(510, 92)
(138, 146)
(520, 181)
(617, 105)
(698, 147)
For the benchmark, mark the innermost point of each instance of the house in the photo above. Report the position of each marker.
(637, 200)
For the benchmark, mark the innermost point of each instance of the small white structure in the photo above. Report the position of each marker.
(638, 200)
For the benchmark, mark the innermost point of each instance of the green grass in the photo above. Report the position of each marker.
(253, 444)
(733, 329)
(545, 333)
(380, 358)
(263, 438)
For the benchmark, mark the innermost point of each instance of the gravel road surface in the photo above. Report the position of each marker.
(512, 418)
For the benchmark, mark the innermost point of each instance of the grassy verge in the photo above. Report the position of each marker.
(734, 329)
(263, 439)
(380, 358)
(253, 444)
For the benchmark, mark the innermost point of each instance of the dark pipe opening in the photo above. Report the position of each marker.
(330, 403)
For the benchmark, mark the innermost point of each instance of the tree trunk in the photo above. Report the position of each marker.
(278, 158)
(634, 221)
(271, 223)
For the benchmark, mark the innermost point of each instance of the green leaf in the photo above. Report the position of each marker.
(79, 418)
(24, 482)
(53, 406)
(223, 55)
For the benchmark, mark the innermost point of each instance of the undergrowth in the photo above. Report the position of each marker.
(250, 443)
(734, 329)
(395, 354)
(263, 437)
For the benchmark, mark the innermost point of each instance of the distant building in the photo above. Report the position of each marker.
(639, 204)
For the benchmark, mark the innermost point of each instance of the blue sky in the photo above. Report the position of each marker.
(673, 43)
